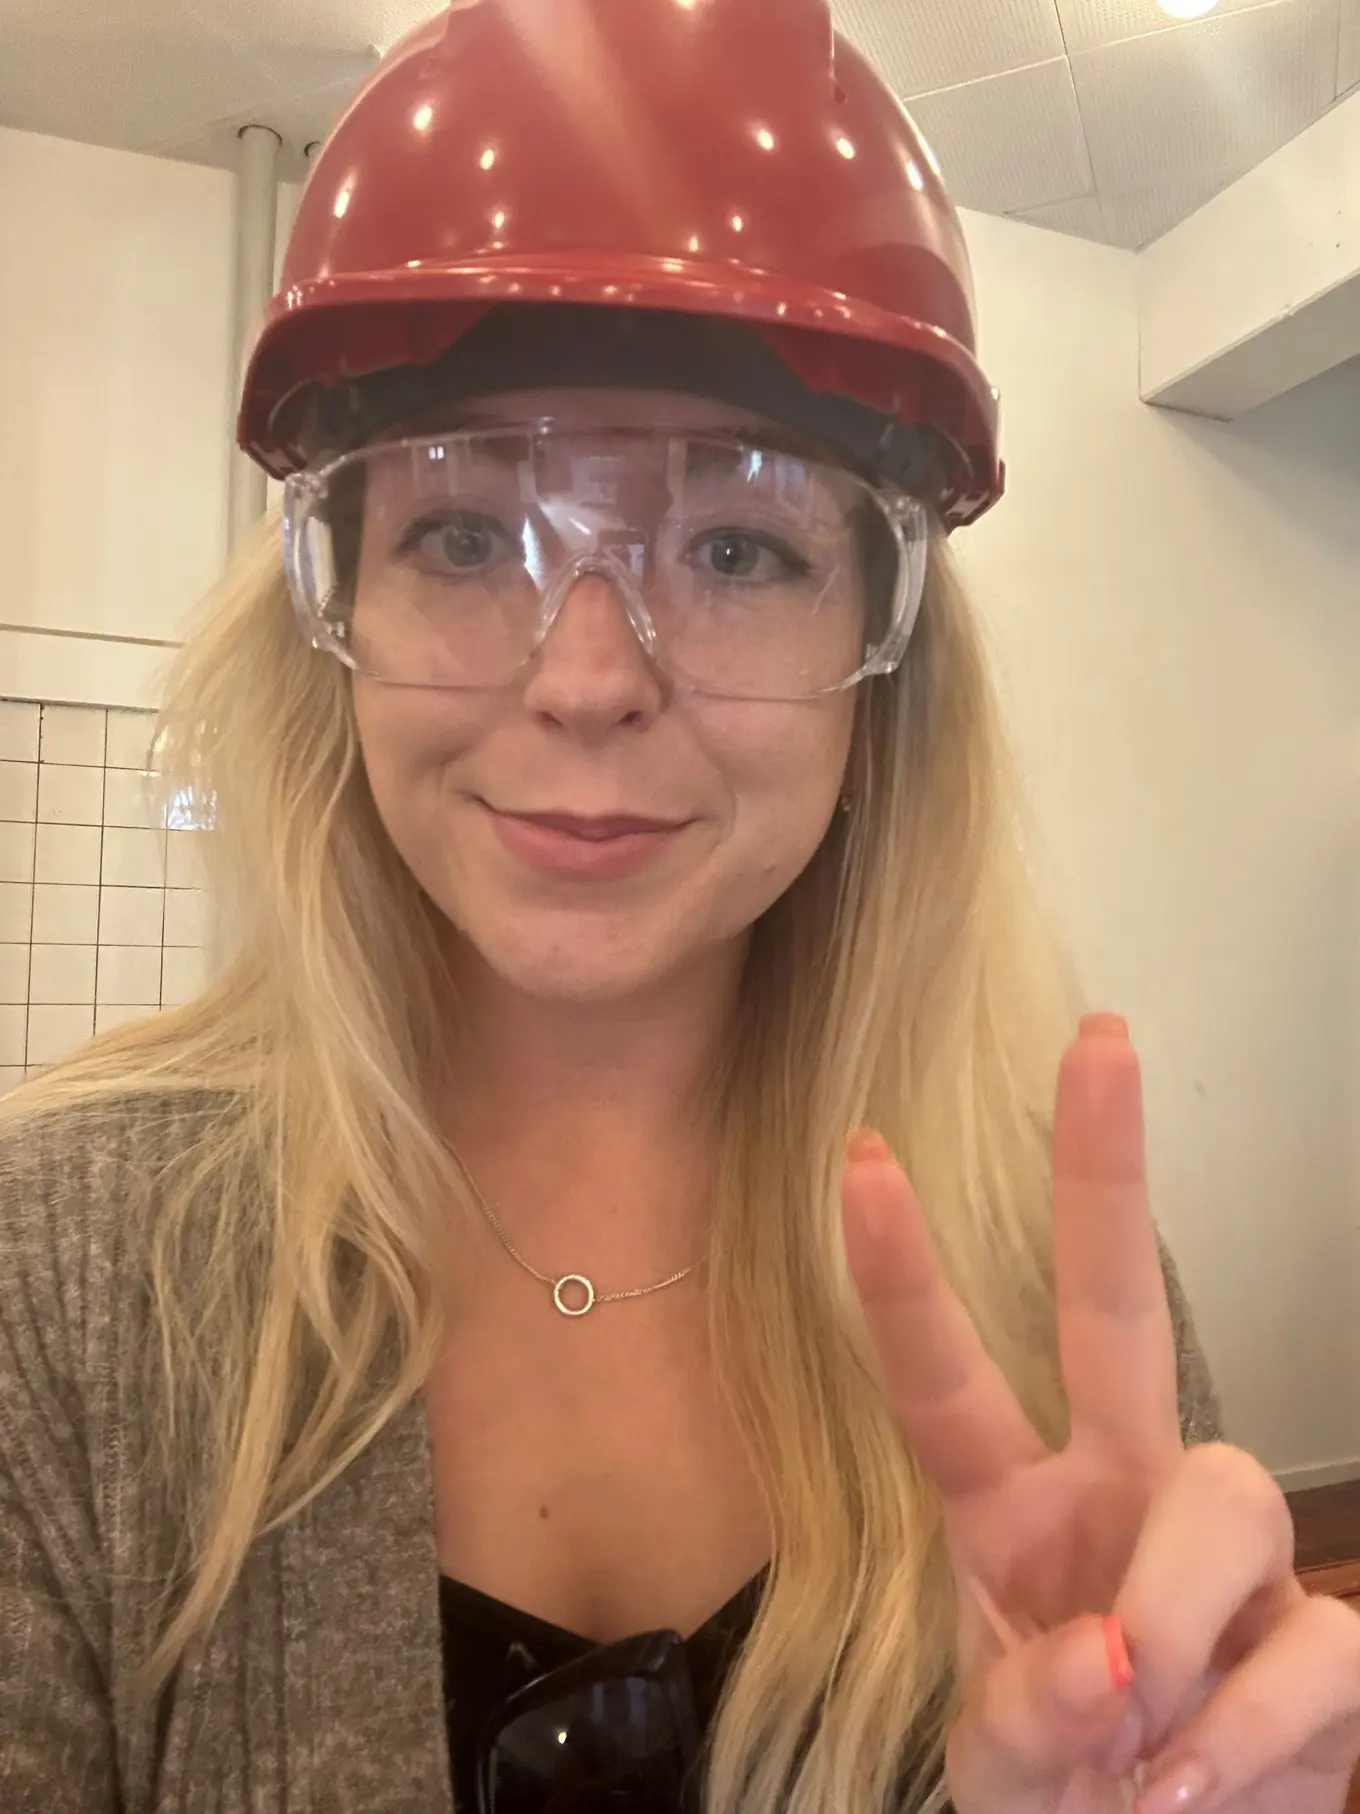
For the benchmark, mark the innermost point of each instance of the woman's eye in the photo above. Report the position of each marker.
(738, 554)
(460, 544)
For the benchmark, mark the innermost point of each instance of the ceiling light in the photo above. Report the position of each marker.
(1187, 9)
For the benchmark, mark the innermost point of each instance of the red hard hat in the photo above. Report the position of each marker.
(726, 159)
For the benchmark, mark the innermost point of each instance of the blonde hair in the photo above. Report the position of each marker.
(905, 980)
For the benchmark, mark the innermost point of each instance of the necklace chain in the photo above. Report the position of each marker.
(558, 1286)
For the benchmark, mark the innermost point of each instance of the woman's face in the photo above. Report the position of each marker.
(593, 831)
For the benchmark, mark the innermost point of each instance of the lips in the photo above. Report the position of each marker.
(595, 830)
(574, 848)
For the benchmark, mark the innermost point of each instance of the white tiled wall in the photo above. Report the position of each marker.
(102, 912)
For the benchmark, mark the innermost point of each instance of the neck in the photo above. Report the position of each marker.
(586, 1125)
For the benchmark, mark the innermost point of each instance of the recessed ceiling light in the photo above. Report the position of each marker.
(1187, 9)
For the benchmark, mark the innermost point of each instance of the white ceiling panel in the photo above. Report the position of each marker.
(922, 47)
(1213, 99)
(1082, 217)
(116, 76)
(1133, 220)
(1010, 142)
(1095, 117)
(68, 18)
(297, 70)
(1348, 69)
(318, 25)
(1087, 24)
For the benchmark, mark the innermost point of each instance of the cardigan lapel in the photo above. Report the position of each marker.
(363, 1672)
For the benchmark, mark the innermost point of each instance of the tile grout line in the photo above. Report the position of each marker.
(32, 893)
(45, 767)
(99, 898)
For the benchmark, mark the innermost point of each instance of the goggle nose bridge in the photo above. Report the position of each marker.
(623, 576)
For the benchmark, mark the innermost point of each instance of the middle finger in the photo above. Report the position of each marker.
(1114, 1326)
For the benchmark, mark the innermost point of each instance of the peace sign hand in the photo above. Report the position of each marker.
(1242, 1693)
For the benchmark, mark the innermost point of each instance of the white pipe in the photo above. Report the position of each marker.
(257, 191)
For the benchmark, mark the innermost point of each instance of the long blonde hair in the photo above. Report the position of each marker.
(905, 980)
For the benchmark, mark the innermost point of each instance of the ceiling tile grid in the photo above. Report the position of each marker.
(1010, 142)
(1135, 218)
(1096, 117)
(918, 48)
(1082, 217)
(1214, 98)
(1088, 24)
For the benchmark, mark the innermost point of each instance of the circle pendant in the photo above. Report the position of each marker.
(574, 1278)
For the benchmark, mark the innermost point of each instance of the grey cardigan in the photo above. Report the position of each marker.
(319, 1690)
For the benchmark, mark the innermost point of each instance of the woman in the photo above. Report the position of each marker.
(406, 1347)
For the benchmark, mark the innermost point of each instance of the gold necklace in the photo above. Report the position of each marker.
(591, 1297)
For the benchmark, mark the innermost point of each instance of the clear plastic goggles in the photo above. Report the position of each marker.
(746, 571)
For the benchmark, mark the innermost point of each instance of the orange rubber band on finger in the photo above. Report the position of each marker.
(1117, 1650)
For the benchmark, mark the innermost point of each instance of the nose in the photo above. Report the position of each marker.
(592, 673)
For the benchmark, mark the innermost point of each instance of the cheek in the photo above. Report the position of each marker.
(407, 740)
(390, 753)
(786, 785)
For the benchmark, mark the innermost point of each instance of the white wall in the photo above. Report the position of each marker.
(1173, 605)
(115, 320)
(115, 369)
(1175, 608)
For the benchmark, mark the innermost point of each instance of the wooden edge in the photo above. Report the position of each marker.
(1339, 1578)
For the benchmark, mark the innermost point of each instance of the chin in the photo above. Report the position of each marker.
(577, 982)
(591, 963)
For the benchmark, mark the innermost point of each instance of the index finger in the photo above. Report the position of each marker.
(1114, 1326)
(951, 1401)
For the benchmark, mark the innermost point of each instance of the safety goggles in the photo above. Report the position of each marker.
(615, 1731)
(745, 570)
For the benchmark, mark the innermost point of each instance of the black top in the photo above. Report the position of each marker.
(491, 1650)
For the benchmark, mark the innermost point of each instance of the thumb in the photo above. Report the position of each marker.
(1056, 1705)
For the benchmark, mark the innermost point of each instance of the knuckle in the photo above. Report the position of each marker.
(1241, 1487)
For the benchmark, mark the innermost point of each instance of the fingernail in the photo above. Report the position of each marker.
(1181, 1787)
(1117, 1651)
(1104, 1026)
(867, 1143)
(1084, 1671)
